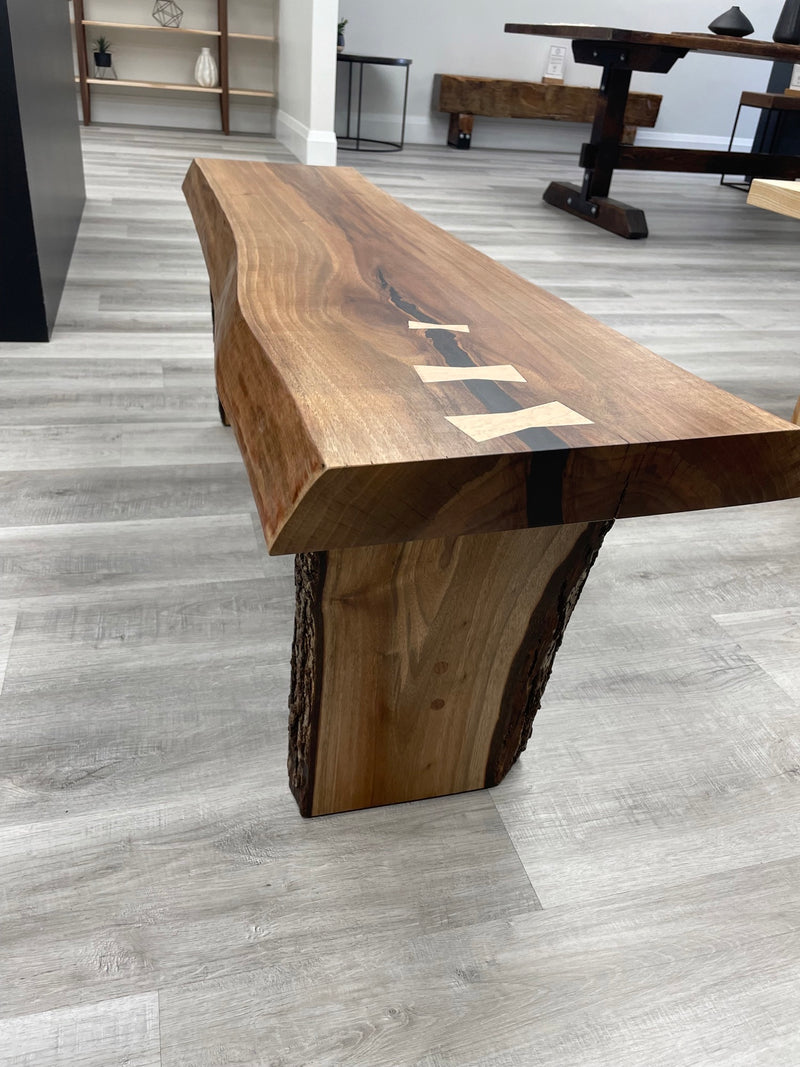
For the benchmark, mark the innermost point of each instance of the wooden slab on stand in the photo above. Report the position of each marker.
(507, 98)
(316, 274)
(465, 96)
(443, 528)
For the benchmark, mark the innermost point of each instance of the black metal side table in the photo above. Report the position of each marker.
(776, 106)
(358, 141)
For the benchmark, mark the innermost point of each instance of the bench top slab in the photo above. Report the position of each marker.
(387, 382)
(710, 43)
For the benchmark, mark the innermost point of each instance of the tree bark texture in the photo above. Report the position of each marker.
(418, 668)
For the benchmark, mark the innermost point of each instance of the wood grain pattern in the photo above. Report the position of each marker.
(119, 1031)
(504, 98)
(418, 668)
(778, 196)
(8, 619)
(348, 448)
(564, 987)
(771, 637)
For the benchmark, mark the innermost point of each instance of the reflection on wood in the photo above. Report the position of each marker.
(345, 446)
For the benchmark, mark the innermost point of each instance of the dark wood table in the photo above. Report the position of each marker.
(619, 52)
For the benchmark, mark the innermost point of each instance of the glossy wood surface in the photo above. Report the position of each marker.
(692, 42)
(315, 275)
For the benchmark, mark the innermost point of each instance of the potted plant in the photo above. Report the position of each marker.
(102, 55)
(340, 35)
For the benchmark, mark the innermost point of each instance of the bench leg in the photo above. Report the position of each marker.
(417, 668)
(629, 135)
(600, 156)
(459, 133)
(611, 215)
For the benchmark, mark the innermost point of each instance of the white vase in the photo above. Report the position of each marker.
(205, 69)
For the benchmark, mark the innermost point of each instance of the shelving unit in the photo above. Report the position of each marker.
(222, 36)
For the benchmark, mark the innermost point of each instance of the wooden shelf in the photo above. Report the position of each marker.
(151, 29)
(251, 92)
(221, 35)
(251, 37)
(158, 85)
(267, 93)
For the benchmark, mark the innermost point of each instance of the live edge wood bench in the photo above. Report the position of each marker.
(444, 446)
(464, 96)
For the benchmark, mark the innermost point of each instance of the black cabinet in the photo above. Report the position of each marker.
(41, 169)
(785, 139)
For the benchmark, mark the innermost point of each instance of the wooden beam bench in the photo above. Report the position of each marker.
(463, 97)
(444, 446)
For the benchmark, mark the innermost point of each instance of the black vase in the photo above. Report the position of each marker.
(732, 24)
(102, 59)
(788, 29)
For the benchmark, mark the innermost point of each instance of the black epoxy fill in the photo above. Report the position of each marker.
(492, 396)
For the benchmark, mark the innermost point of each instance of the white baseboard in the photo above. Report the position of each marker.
(488, 133)
(707, 142)
(316, 147)
(533, 135)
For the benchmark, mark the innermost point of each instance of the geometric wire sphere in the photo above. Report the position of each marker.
(167, 13)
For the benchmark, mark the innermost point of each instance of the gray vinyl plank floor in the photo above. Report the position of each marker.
(629, 895)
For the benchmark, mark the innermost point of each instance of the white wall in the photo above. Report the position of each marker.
(466, 37)
(307, 78)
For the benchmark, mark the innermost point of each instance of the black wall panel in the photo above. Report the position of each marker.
(785, 140)
(41, 169)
